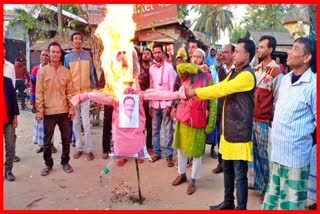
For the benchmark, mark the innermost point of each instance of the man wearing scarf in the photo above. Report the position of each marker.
(161, 78)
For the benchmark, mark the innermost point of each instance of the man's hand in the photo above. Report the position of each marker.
(173, 113)
(150, 111)
(71, 116)
(15, 121)
(39, 118)
(98, 106)
(204, 68)
(167, 111)
(190, 92)
(34, 109)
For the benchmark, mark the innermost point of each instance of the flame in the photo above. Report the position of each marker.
(116, 32)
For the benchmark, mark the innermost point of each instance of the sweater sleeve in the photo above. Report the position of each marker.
(212, 114)
(70, 92)
(243, 82)
(184, 69)
(93, 83)
(40, 93)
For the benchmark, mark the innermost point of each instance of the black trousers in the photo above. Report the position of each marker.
(49, 124)
(107, 127)
(235, 171)
(148, 126)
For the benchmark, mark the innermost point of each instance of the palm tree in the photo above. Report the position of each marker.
(213, 18)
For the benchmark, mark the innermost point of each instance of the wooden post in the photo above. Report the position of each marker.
(138, 176)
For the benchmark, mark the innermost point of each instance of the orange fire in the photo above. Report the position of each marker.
(116, 32)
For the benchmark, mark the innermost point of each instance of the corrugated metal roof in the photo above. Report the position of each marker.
(64, 42)
(282, 37)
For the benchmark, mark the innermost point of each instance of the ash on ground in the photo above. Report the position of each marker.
(125, 193)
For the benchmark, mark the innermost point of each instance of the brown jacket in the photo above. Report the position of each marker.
(54, 91)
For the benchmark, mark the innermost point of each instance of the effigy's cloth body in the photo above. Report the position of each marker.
(128, 142)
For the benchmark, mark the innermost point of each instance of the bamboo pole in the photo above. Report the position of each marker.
(138, 176)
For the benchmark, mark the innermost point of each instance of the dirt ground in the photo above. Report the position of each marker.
(118, 190)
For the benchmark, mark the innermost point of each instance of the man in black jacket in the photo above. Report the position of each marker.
(10, 122)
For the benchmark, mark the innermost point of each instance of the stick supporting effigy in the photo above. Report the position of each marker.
(138, 176)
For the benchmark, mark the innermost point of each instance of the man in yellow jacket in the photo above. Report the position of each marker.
(236, 132)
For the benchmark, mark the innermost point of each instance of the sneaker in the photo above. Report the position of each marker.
(9, 176)
(67, 168)
(54, 149)
(77, 154)
(90, 156)
(16, 159)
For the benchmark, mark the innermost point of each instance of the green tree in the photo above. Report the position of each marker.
(264, 17)
(183, 11)
(260, 17)
(36, 25)
(213, 18)
(237, 33)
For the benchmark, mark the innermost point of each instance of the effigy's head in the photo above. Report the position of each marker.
(119, 59)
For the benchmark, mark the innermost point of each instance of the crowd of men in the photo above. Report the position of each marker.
(259, 114)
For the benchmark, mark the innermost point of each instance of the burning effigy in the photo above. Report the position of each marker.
(121, 68)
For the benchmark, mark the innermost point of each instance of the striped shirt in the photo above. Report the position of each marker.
(294, 121)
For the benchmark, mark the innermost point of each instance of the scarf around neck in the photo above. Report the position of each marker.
(158, 64)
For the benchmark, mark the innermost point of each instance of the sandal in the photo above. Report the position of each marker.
(46, 171)
(40, 149)
(155, 158)
(67, 168)
(170, 162)
(121, 162)
(140, 161)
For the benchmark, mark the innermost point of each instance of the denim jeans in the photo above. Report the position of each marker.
(49, 124)
(235, 170)
(10, 146)
(157, 118)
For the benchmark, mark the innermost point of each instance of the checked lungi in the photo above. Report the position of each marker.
(287, 189)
